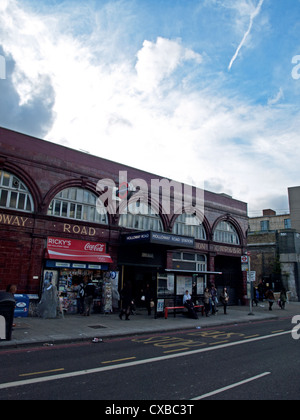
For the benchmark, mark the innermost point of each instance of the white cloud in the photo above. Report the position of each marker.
(157, 61)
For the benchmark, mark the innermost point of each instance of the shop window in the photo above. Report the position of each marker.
(141, 217)
(14, 194)
(226, 233)
(189, 225)
(186, 257)
(77, 204)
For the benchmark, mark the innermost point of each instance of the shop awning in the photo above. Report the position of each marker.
(75, 250)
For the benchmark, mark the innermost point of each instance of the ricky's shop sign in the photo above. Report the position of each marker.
(26, 222)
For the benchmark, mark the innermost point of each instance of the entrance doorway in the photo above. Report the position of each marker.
(232, 277)
(138, 278)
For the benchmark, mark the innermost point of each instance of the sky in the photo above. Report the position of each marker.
(205, 92)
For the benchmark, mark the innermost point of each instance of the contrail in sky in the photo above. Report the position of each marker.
(252, 17)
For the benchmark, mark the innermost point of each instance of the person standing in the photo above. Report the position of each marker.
(80, 298)
(224, 299)
(89, 294)
(126, 298)
(207, 301)
(283, 298)
(148, 298)
(271, 298)
(214, 299)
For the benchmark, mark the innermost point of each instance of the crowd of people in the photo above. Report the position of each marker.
(210, 300)
(261, 293)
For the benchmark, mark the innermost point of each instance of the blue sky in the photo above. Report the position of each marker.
(201, 91)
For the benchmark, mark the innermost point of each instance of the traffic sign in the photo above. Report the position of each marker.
(251, 277)
(244, 259)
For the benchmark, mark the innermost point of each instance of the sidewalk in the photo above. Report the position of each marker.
(74, 328)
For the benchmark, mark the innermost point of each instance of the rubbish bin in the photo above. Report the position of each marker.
(22, 306)
(7, 307)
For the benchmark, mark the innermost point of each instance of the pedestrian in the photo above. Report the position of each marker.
(270, 297)
(89, 295)
(80, 298)
(255, 296)
(224, 298)
(126, 298)
(207, 301)
(148, 298)
(261, 290)
(283, 298)
(214, 299)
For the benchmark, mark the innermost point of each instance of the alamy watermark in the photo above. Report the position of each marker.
(138, 196)
(296, 69)
(2, 68)
(296, 329)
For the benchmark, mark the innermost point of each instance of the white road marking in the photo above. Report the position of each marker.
(226, 388)
(135, 363)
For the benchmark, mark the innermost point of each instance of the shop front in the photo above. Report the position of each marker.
(69, 263)
(168, 263)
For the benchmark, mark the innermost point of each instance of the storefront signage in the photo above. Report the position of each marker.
(160, 238)
(76, 250)
(79, 230)
(8, 219)
(59, 264)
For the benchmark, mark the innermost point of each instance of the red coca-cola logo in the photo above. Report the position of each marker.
(94, 247)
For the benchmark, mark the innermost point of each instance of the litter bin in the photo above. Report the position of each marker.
(22, 306)
(7, 307)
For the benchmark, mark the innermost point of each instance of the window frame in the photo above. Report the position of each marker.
(66, 205)
(13, 191)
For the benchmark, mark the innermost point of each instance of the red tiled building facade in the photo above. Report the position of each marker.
(50, 191)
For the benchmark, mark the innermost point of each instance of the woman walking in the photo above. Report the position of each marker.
(224, 299)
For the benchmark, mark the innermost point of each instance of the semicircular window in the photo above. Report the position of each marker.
(77, 204)
(226, 233)
(141, 216)
(14, 194)
(189, 225)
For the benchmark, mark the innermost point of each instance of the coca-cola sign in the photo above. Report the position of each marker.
(96, 247)
(76, 250)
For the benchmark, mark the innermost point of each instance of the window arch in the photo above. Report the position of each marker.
(226, 233)
(78, 204)
(189, 225)
(14, 194)
(140, 216)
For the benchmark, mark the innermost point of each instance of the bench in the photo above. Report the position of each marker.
(167, 308)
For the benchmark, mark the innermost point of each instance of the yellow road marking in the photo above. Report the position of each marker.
(40, 373)
(251, 336)
(172, 351)
(118, 360)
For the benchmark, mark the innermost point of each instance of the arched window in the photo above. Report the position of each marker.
(14, 194)
(226, 233)
(189, 225)
(78, 204)
(140, 216)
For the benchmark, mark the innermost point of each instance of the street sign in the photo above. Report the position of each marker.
(251, 277)
(244, 259)
(245, 267)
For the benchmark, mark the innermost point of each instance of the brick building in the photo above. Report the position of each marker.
(275, 250)
(57, 224)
